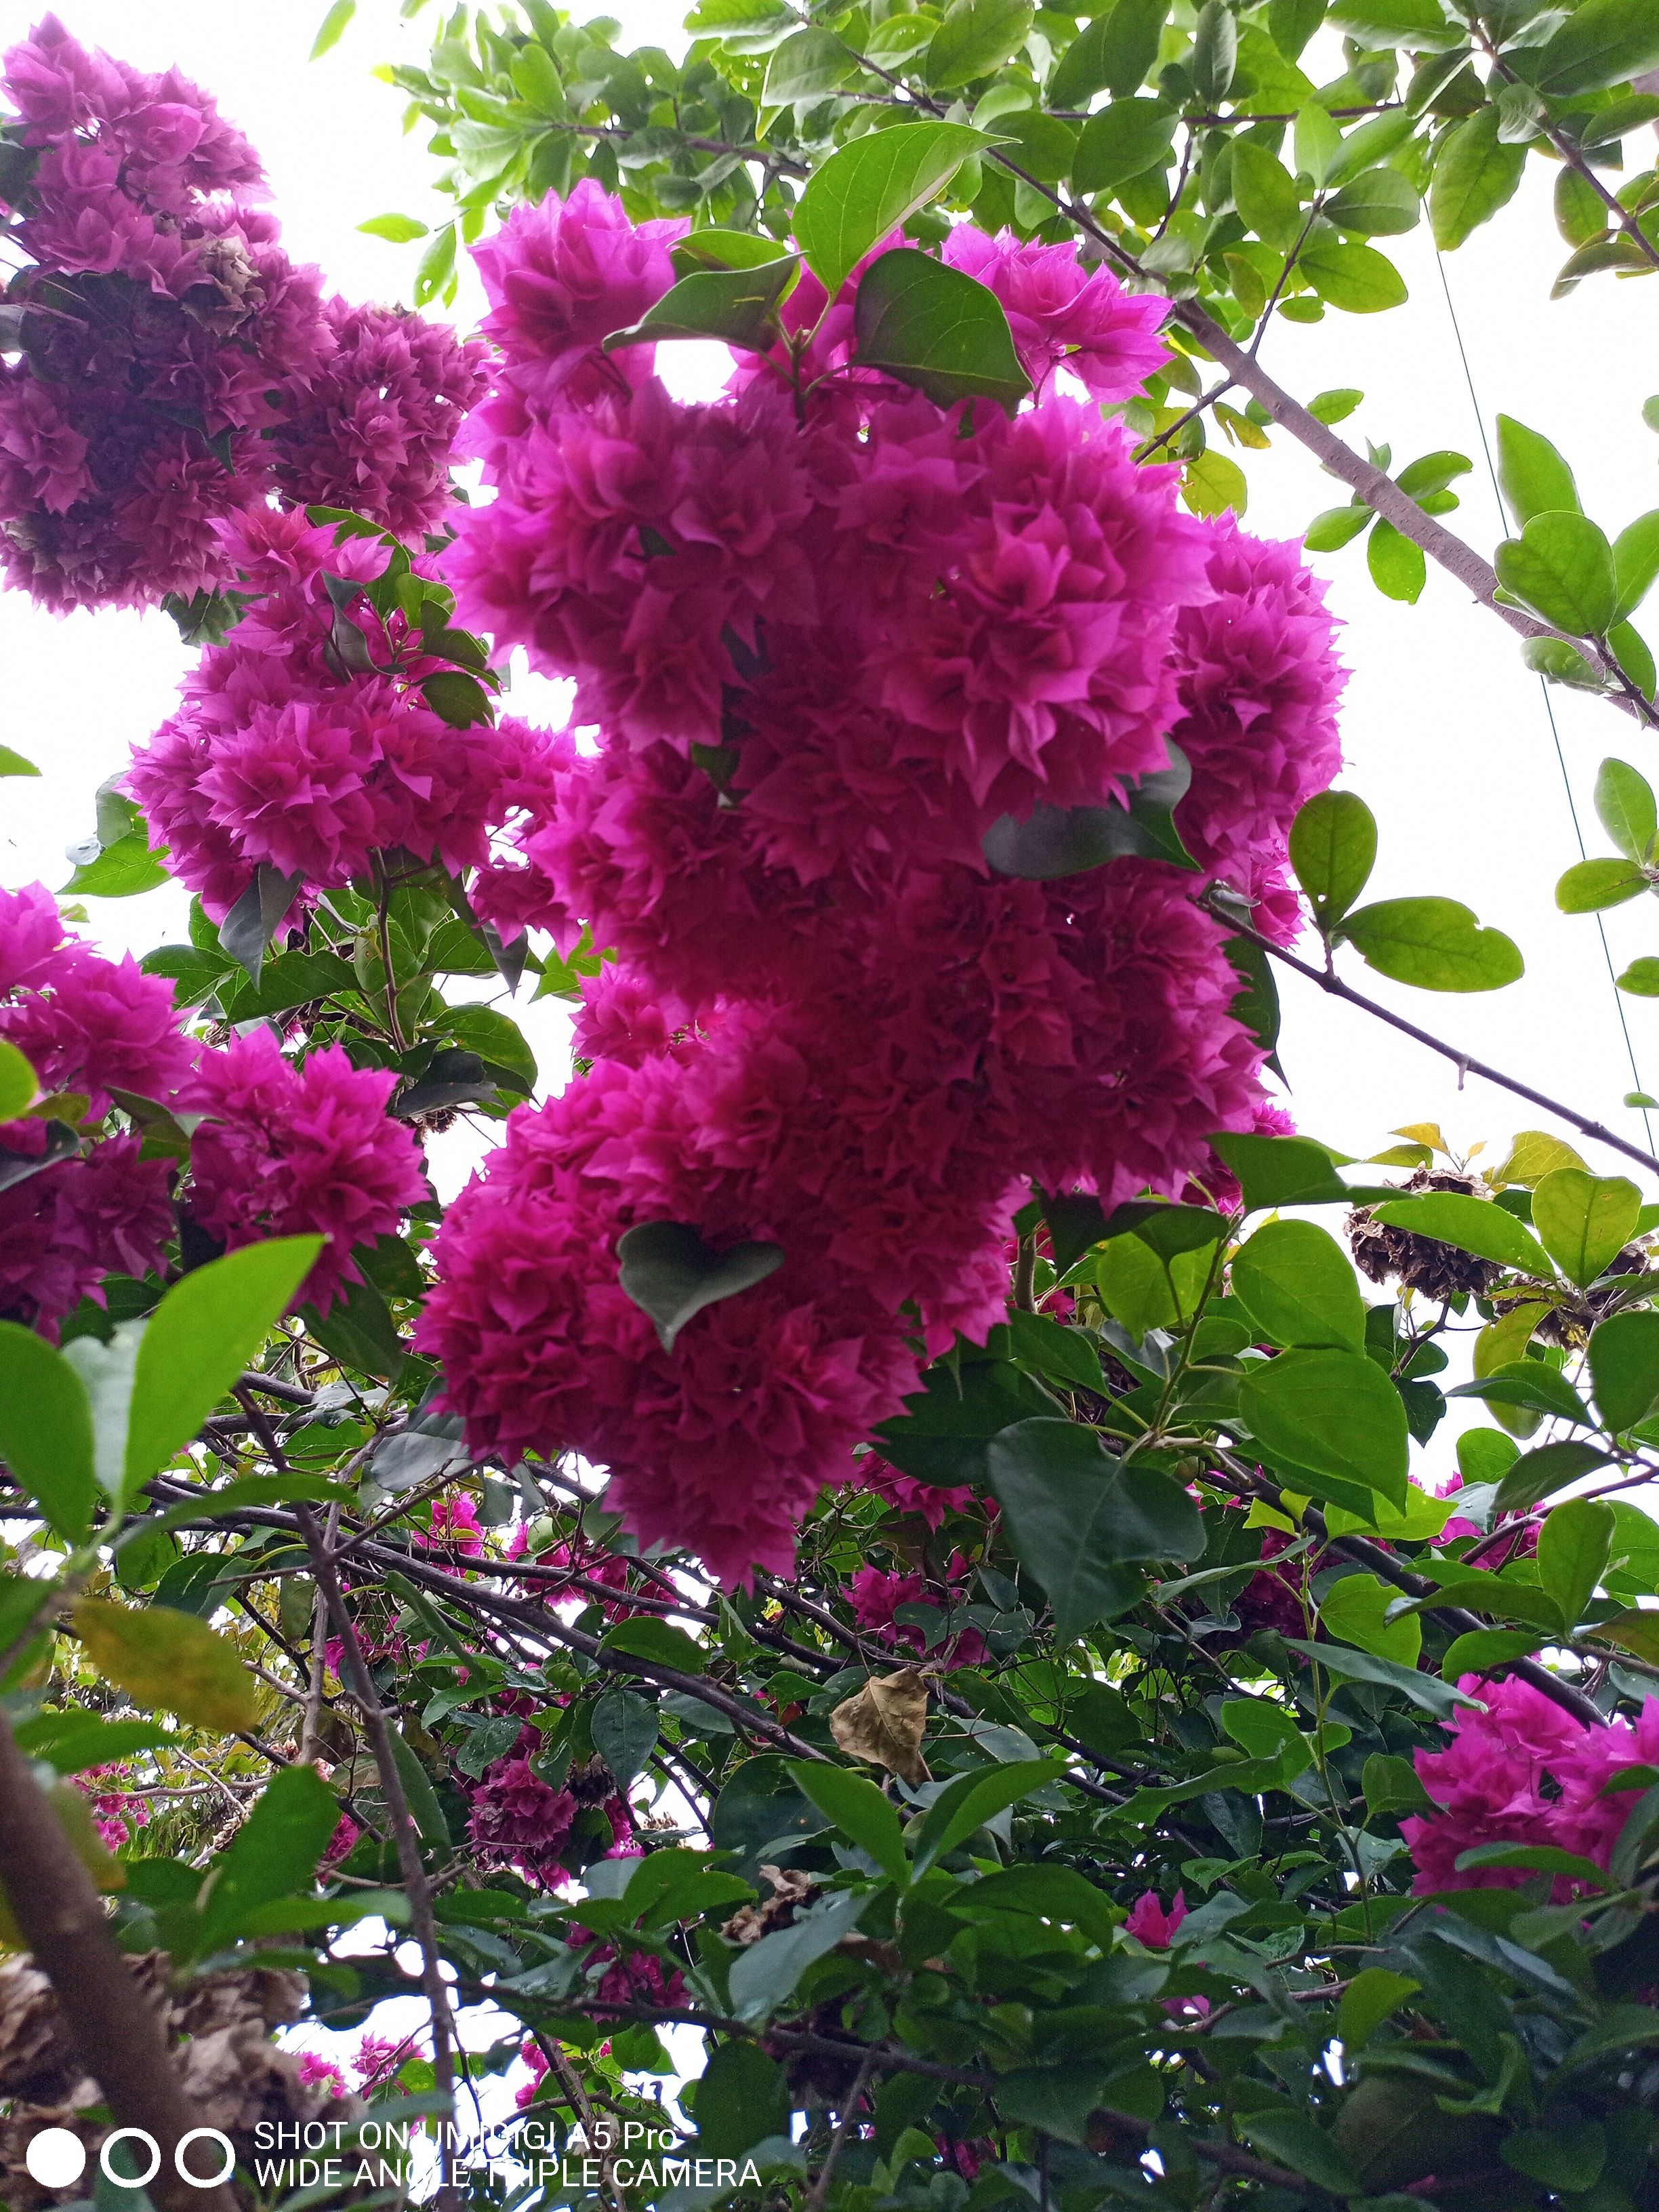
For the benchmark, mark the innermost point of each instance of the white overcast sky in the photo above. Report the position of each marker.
(1446, 735)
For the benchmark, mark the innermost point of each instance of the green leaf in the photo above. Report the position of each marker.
(1475, 173)
(457, 698)
(1536, 1474)
(1434, 943)
(1635, 656)
(1602, 43)
(1398, 567)
(437, 266)
(858, 1810)
(295, 980)
(200, 1338)
(1355, 1608)
(1333, 851)
(1122, 141)
(1334, 527)
(671, 1274)
(1471, 1224)
(495, 1038)
(1636, 563)
(1584, 1221)
(1561, 565)
(937, 329)
(1067, 1354)
(396, 229)
(1380, 203)
(424, 1807)
(1389, 1787)
(1624, 1365)
(1280, 1170)
(768, 1971)
(1364, 148)
(1533, 477)
(869, 186)
(121, 870)
(1299, 1286)
(170, 1660)
(18, 1086)
(658, 1640)
(976, 37)
(1573, 1548)
(966, 1804)
(1317, 140)
(46, 1429)
(1299, 2142)
(13, 763)
(1356, 279)
(1373, 1995)
(1215, 51)
(1641, 979)
(71, 1741)
(1434, 1695)
(1335, 405)
(1484, 1648)
(733, 306)
(1419, 24)
(624, 1734)
(806, 66)
(1626, 809)
(332, 27)
(1292, 23)
(1115, 53)
(1077, 1518)
(1535, 1858)
(1332, 1412)
(742, 2098)
(1567, 2156)
(1210, 485)
(1529, 1382)
(274, 1855)
(1591, 886)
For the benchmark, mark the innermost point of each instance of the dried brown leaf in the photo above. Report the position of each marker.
(884, 1722)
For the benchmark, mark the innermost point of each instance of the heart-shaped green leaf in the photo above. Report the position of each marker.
(671, 1273)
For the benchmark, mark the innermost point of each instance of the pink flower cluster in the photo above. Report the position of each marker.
(1524, 1771)
(281, 754)
(827, 646)
(875, 1598)
(825, 658)
(520, 1822)
(116, 1809)
(87, 1026)
(166, 335)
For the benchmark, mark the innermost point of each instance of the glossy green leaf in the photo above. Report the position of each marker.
(1573, 1548)
(1077, 1519)
(736, 306)
(767, 1972)
(968, 1802)
(1333, 850)
(1280, 1170)
(121, 870)
(1378, 203)
(1215, 51)
(805, 67)
(1115, 53)
(975, 38)
(1441, 1698)
(1561, 565)
(1624, 1365)
(46, 1429)
(1602, 42)
(1539, 1474)
(205, 1331)
(858, 1810)
(1356, 279)
(1372, 1997)
(1592, 886)
(937, 328)
(1355, 1608)
(1584, 1221)
(1398, 567)
(1334, 1413)
(1335, 527)
(1475, 173)
(1434, 943)
(671, 1273)
(1266, 196)
(1122, 141)
(1299, 1286)
(1473, 1224)
(869, 186)
(1625, 808)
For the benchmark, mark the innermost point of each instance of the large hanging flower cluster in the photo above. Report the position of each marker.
(175, 364)
(830, 632)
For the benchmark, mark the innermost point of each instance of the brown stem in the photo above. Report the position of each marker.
(361, 1685)
(117, 2033)
(1334, 987)
(310, 1731)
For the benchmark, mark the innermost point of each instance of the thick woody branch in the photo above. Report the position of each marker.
(117, 2033)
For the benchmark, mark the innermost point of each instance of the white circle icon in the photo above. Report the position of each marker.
(55, 2158)
(135, 2134)
(205, 2134)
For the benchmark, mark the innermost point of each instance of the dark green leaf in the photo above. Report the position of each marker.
(767, 1972)
(624, 1734)
(671, 1274)
(869, 186)
(1280, 1170)
(1215, 51)
(1434, 943)
(934, 327)
(1434, 1695)
(247, 929)
(275, 1854)
(858, 1809)
(1122, 141)
(46, 1429)
(1573, 1548)
(1536, 1474)
(742, 2098)
(1299, 2142)
(1475, 172)
(966, 1804)
(806, 66)
(1603, 42)
(976, 37)
(656, 1640)
(457, 698)
(1334, 1413)
(1115, 53)
(1419, 25)
(1298, 1285)
(1624, 1365)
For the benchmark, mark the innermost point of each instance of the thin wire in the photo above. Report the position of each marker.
(1549, 703)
